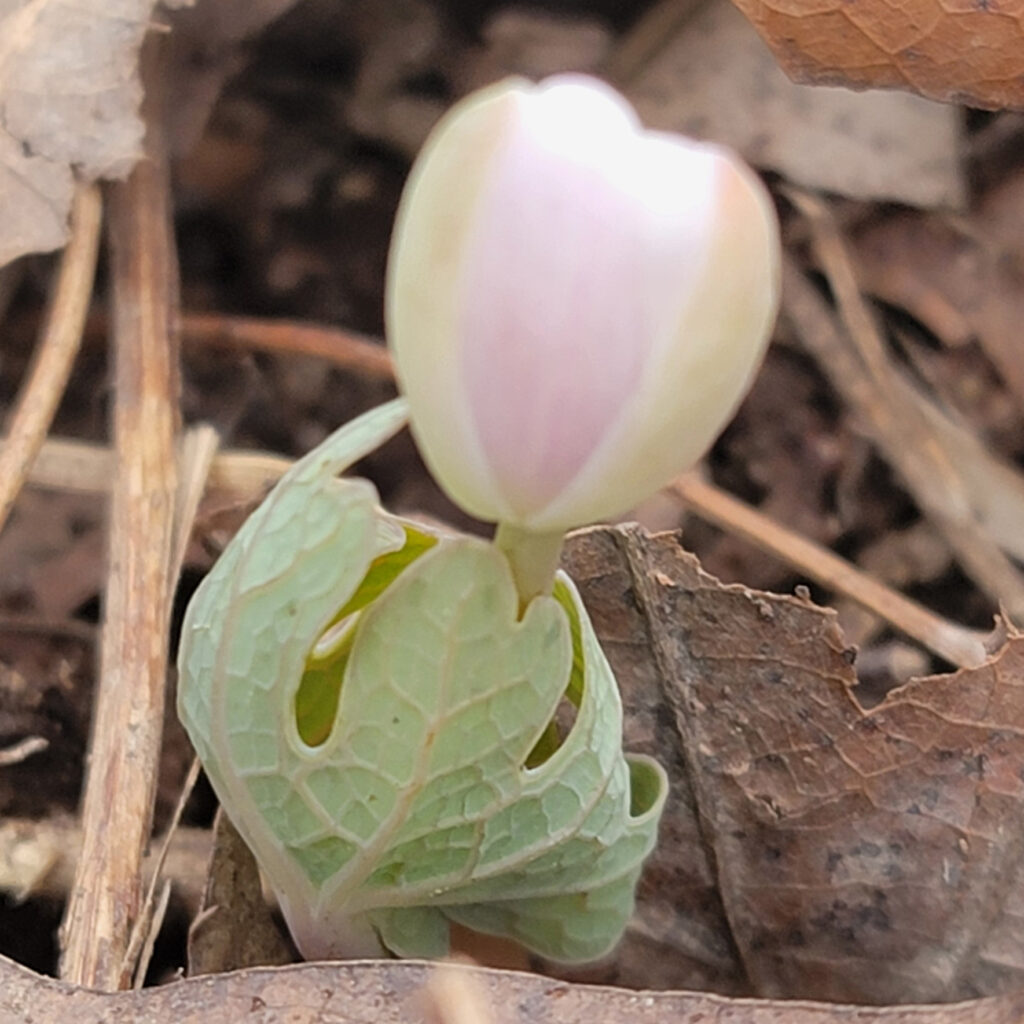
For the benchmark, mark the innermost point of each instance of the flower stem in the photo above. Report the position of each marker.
(533, 558)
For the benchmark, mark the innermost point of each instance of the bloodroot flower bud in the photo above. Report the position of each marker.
(575, 305)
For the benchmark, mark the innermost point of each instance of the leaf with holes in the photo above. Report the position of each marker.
(390, 736)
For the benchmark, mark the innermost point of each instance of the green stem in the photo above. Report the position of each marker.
(533, 558)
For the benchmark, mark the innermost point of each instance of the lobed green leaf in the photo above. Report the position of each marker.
(378, 722)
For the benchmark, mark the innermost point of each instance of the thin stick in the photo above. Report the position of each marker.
(135, 962)
(70, 465)
(343, 348)
(57, 348)
(128, 717)
(863, 375)
(957, 644)
(245, 474)
(198, 450)
(22, 750)
(156, 923)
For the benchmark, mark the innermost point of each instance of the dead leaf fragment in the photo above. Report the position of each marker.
(962, 279)
(392, 992)
(680, 934)
(860, 855)
(971, 53)
(69, 95)
(35, 200)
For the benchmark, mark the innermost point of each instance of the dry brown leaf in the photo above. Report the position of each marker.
(680, 936)
(956, 52)
(858, 855)
(714, 78)
(390, 992)
(961, 279)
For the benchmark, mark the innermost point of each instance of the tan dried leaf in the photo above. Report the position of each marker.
(962, 279)
(949, 50)
(70, 94)
(390, 992)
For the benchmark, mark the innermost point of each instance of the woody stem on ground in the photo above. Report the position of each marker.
(128, 713)
(58, 345)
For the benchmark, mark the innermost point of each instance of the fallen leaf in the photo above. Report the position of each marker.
(858, 855)
(954, 52)
(390, 992)
(679, 936)
(714, 78)
(35, 199)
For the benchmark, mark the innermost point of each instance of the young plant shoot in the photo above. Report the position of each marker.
(576, 307)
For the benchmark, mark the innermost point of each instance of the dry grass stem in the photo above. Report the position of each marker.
(198, 450)
(70, 465)
(120, 783)
(857, 364)
(958, 645)
(58, 346)
(156, 923)
(22, 750)
(140, 946)
(995, 486)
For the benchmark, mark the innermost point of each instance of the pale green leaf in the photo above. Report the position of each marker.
(426, 797)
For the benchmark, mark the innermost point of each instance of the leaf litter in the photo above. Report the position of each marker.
(826, 840)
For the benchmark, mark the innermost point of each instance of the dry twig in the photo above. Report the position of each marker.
(22, 750)
(958, 645)
(136, 959)
(859, 367)
(128, 716)
(343, 348)
(58, 346)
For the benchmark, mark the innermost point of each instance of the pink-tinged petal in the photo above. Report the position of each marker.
(703, 365)
(575, 306)
(572, 270)
(423, 301)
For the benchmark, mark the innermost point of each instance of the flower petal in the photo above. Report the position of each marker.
(585, 234)
(575, 305)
